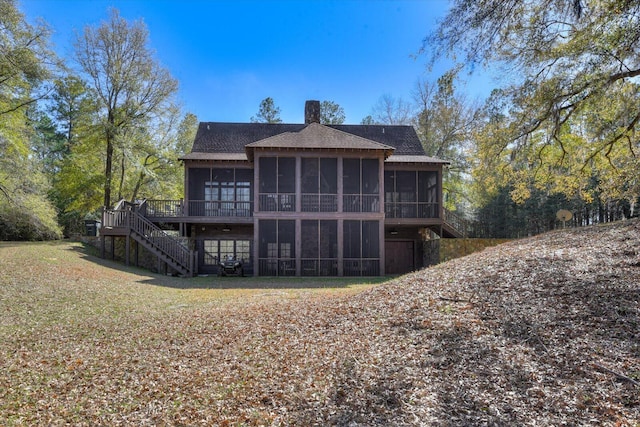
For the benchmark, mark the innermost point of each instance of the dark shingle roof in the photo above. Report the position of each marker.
(216, 137)
(232, 137)
(403, 138)
(318, 136)
(415, 159)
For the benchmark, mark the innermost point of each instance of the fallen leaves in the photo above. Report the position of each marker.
(542, 331)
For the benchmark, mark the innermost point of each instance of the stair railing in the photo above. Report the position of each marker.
(128, 215)
(457, 222)
(160, 240)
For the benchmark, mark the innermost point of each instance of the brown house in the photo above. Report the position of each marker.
(298, 200)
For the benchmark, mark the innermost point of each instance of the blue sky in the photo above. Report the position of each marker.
(229, 55)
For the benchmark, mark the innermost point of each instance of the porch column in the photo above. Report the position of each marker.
(340, 187)
(298, 231)
(256, 185)
(381, 251)
(440, 195)
(298, 226)
(381, 245)
(256, 247)
(298, 188)
(187, 196)
(340, 243)
(256, 222)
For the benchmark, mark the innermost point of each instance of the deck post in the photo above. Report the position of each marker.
(102, 246)
(127, 250)
(194, 269)
(102, 242)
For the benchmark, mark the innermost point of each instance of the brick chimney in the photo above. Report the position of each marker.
(311, 112)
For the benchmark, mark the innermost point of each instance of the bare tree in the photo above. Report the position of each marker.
(392, 111)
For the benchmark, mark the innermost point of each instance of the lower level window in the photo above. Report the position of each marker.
(215, 250)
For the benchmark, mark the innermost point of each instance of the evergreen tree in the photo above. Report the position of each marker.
(267, 112)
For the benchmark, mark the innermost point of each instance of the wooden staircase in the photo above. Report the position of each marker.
(454, 226)
(126, 220)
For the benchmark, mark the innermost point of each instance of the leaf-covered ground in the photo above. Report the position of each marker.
(541, 331)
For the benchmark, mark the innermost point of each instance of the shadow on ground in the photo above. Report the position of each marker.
(212, 281)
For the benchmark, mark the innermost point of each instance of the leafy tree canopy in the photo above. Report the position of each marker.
(570, 113)
(132, 89)
(331, 113)
(25, 65)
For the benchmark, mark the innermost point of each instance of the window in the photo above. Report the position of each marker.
(226, 249)
(243, 250)
(216, 250)
(226, 192)
(211, 252)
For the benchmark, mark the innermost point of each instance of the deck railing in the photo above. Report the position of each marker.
(412, 210)
(117, 217)
(162, 208)
(234, 208)
(277, 202)
(361, 267)
(319, 203)
(361, 203)
(319, 267)
(277, 266)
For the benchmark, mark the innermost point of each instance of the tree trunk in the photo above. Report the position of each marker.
(140, 180)
(121, 183)
(108, 172)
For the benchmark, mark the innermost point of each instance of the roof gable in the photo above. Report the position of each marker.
(316, 135)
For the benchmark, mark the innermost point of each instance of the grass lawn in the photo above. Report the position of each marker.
(75, 328)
